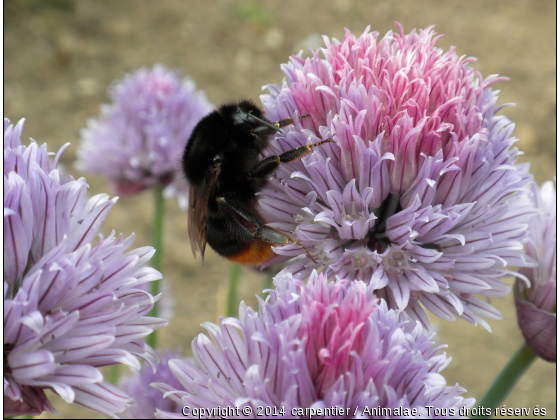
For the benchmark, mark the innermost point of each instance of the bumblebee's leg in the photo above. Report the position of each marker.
(276, 236)
(267, 127)
(270, 164)
(261, 231)
(244, 213)
(265, 167)
(301, 151)
(289, 121)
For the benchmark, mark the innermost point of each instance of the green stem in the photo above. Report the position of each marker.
(157, 235)
(232, 303)
(268, 283)
(114, 374)
(507, 379)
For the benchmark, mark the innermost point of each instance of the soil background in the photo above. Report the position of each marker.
(60, 57)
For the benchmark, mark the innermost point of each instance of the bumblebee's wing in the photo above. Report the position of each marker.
(198, 207)
(198, 212)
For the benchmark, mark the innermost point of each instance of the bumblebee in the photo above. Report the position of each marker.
(222, 163)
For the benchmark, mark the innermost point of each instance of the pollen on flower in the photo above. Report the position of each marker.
(360, 260)
(397, 259)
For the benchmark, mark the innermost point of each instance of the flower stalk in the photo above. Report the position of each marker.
(268, 283)
(232, 300)
(507, 379)
(157, 242)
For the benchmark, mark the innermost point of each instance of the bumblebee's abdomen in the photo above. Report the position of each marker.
(255, 253)
(232, 241)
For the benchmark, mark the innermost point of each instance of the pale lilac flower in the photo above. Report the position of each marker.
(419, 194)
(166, 304)
(146, 398)
(314, 346)
(138, 140)
(536, 306)
(71, 304)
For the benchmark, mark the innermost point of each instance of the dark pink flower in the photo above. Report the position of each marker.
(419, 195)
(318, 345)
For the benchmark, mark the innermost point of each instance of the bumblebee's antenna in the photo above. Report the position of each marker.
(266, 123)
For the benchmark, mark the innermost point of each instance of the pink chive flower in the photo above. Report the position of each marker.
(138, 140)
(147, 399)
(71, 304)
(420, 195)
(536, 306)
(320, 345)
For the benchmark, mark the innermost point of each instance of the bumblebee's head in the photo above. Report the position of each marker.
(250, 126)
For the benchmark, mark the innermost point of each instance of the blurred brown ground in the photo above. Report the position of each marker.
(61, 55)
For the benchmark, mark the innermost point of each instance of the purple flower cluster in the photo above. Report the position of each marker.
(148, 399)
(318, 346)
(420, 195)
(138, 140)
(71, 305)
(536, 305)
